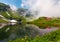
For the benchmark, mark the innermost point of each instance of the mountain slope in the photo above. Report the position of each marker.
(6, 13)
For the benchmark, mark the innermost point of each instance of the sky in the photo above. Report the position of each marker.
(16, 3)
(48, 8)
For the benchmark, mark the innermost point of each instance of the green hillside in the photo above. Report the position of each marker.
(7, 12)
(44, 22)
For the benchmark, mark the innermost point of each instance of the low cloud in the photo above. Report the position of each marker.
(14, 8)
(48, 8)
(22, 5)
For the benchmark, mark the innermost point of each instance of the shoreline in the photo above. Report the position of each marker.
(2, 25)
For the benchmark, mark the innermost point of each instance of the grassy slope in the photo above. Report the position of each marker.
(12, 15)
(4, 14)
(2, 21)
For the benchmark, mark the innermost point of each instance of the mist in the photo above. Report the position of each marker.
(39, 8)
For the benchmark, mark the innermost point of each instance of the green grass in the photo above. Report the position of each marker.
(4, 14)
(44, 23)
(50, 37)
(14, 15)
(2, 21)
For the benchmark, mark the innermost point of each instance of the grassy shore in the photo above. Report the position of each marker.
(43, 22)
(50, 37)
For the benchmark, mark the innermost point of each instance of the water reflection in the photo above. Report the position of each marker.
(17, 31)
(2, 25)
(3, 33)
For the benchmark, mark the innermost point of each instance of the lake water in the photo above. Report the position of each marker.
(9, 31)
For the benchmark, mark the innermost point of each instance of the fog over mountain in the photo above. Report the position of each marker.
(48, 8)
